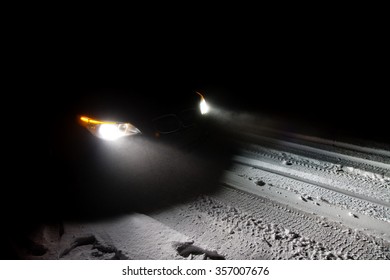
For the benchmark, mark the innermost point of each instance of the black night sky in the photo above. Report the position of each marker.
(335, 84)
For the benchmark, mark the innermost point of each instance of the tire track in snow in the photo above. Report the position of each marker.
(322, 141)
(313, 194)
(242, 226)
(279, 171)
(349, 178)
(318, 228)
(315, 150)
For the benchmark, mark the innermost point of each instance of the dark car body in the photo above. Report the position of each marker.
(177, 151)
(154, 115)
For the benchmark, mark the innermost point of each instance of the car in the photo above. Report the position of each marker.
(108, 150)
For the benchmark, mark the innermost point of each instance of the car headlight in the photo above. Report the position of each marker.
(203, 106)
(108, 130)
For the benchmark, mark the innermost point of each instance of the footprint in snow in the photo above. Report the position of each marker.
(260, 183)
(186, 249)
(353, 215)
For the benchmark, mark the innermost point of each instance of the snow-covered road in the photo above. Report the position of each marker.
(285, 196)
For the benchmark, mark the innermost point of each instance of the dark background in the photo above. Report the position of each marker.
(337, 84)
(326, 65)
(326, 70)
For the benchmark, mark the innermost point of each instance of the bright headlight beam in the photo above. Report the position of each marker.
(203, 106)
(108, 130)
